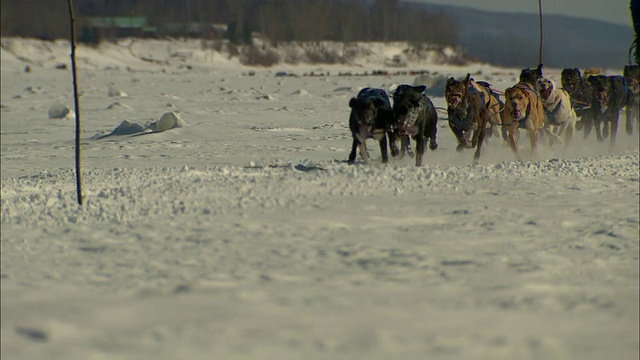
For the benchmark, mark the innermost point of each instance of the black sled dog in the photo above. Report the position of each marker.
(415, 116)
(371, 118)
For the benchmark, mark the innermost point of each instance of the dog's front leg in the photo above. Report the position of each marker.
(462, 137)
(547, 130)
(605, 126)
(569, 132)
(482, 126)
(364, 153)
(405, 143)
(383, 149)
(432, 134)
(393, 146)
(580, 123)
(633, 117)
(532, 131)
(512, 131)
(553, 132)
(505, 133)
(598, 120)
(588, 120)
(614, 117)
(420, 140)
(459, 134)
(352, 154)
(476, 134)
(628, 112)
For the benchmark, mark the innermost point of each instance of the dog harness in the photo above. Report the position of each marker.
(461, 123)
(579, 100)
(482, 94)
(526, 86)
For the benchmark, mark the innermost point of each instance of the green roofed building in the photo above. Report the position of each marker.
(111, 28)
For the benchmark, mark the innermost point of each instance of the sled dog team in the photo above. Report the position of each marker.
(475, 110)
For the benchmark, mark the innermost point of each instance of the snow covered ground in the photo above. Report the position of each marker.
(245, 235)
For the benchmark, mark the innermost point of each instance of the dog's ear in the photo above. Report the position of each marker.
(352, 102)
(451, 81)
(420, 88)
(467, 80)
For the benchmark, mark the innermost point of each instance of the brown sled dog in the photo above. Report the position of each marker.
(472, 109)
(632, 108)
(523, 109)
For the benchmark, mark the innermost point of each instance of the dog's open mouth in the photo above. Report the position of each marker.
(545, 93)
(407, 127)
(517, 114)
(454, 99)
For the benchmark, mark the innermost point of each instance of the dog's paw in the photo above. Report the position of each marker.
(464, 145)
(394, 151)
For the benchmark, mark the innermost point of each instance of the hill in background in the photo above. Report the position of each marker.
(512, 39)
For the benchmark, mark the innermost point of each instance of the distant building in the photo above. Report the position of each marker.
(111, 28)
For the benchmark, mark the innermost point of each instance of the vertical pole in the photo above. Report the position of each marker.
(541, 31)
(77, 103)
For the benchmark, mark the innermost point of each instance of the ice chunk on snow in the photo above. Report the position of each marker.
(168, 121)
(60, 111)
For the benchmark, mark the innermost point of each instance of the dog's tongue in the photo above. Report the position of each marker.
(453, 99)
(516, 114)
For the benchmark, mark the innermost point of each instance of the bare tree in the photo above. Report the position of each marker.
(277, 20)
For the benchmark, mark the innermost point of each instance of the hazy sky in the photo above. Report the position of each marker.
(616, 11)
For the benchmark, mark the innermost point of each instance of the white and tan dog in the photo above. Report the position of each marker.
(559, 117)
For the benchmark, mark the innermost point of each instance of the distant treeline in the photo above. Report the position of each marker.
(274, 20)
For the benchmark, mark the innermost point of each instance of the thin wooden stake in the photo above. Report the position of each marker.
(541, 31)
(77, 103)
